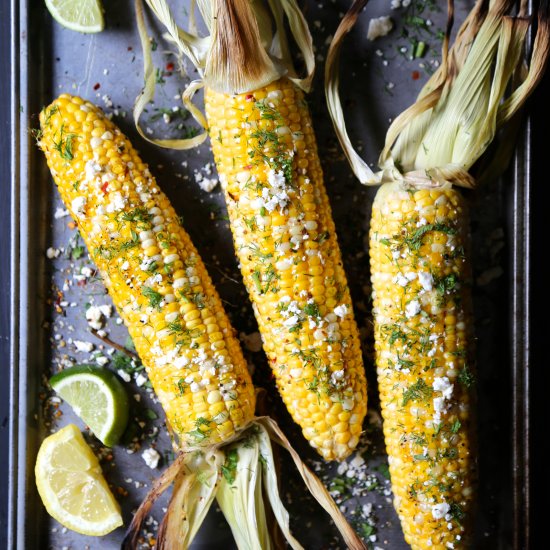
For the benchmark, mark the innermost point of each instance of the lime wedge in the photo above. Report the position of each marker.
(97, 397)
(78, 15)
(71, 484)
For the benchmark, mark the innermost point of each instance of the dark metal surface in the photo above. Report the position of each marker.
(501, 306)
(5, 193)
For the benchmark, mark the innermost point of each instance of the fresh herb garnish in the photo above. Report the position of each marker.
(154, 297)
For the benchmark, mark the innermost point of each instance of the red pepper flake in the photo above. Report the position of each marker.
(121, 491)
(59, 298)
(249, 97)
(104, 187)
(97, 85)
(169, 66)
(415, 75)
(130, 48)
(248, 167)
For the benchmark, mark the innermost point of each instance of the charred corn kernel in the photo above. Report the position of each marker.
(291, 261)
(183, 366)
(423, 361)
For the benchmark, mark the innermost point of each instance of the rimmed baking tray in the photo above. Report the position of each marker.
(106, 68)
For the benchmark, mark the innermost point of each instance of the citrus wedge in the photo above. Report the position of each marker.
(98, 397)
(78, 15)
(72, 487)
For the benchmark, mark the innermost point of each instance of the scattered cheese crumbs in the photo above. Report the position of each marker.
(83, 346)
(87, 271)
(52, 253)
(124, 375)
(102, 360)
(412, 308)
(379, 26)
(399, 4)
(151, 458)
(426, 280)
(341, 311)
(208, 184)
(140, 379)
(60, 213)
(77, 205)
(443, 385)
(439, 407)
(94, 317)
(439, 511)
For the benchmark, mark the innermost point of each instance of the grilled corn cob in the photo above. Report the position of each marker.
(154, 275)
(421, 308)
(419, 261)
(290, 260)
(180, 330)
(266, 156)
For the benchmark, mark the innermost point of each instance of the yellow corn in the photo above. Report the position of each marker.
(423, 350)
(267, 160)
(153, 272)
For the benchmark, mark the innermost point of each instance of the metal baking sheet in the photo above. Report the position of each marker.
(379, 81)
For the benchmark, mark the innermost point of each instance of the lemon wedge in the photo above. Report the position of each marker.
(72, 487)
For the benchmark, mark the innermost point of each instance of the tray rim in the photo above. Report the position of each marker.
(20, 470)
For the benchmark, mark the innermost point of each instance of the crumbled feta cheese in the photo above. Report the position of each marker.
(405, 278)
(439, 407)
(379, 26)
(412, 308)
(83, 346)
(180, 362)
(401, 281)
(91, 169)
(60, 213)
(440, 510)
(107, 310)
(443, 385)
(426, 280)
(151, 458)
(341, 311)
(118, 203)
(94, 316)
(87, 271)
(208, 184)
(366, 509)
(276, 195)
(140, 379)
(78, 205)
(52, 253)
(291, 321)
(124, 375)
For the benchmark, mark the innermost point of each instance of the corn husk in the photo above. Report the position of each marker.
(483, 81)
(247, 48)
(198, 477)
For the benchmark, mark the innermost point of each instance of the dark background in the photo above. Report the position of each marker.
(539, 246)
